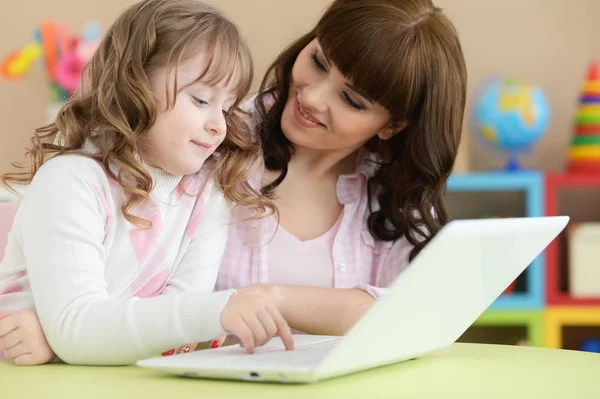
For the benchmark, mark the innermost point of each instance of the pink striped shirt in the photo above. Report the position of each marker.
(359, 260)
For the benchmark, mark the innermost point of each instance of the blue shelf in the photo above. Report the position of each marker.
(532, 183)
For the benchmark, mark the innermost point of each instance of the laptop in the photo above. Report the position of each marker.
(452, 281)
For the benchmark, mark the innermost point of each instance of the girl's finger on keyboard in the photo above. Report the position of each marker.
(268, 324)
(283, 329)
(244, 334)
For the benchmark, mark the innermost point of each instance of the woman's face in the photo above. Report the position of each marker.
(325, 112)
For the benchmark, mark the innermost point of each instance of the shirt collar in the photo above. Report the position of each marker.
(351, 185)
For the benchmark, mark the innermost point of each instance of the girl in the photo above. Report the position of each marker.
(119, 237)
(360, 121)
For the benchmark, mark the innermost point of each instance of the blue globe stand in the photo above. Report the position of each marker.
(512, 165)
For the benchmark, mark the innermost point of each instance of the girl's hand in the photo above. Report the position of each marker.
(254, 319)
(183, 349)
(22, 339)
(218, 342)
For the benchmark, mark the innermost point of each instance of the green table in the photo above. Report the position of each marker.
(460, 371)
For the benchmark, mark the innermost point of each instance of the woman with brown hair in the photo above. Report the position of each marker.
(360, 122)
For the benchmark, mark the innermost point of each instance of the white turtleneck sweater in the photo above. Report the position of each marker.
(106, 291)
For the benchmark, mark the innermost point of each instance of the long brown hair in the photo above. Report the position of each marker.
(115, 105)
(406, 56)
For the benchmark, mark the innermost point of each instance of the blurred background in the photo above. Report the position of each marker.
(530, 143)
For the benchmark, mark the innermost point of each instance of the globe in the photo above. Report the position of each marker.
(510, 115)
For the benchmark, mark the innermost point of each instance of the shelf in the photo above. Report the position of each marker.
(558, 321)
(531, 300)
(506, 327)
(539, 308)
(531, 185)
(531, 182)
(533, 320)
(556, 275)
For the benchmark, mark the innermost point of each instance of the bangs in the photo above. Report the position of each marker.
(228, 58)
(229, 62)
(373, 56)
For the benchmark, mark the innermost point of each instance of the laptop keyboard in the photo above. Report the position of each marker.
(303, 355)
(309, 351)
(270, 356)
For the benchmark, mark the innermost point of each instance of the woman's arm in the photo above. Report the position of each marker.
(333, 311)
(317, 310)
(396, 261)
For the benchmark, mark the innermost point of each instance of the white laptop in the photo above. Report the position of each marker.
(429, 306)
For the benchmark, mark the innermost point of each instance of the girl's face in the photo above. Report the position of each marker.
(325, 112)
(183, 137)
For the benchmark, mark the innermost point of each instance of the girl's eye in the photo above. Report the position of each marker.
(318, 64)
(198, 101)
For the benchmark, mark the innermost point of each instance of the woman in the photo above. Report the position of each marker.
(360, 122)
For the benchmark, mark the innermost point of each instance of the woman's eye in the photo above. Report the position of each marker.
(351, 102)
(317, 63)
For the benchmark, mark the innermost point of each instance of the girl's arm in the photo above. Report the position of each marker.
(22, 340)
(62, 237)
(198, 269)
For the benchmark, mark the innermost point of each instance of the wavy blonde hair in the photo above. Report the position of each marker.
(115, 105)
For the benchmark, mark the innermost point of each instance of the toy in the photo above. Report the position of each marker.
(510, 115)
(584, 154)
(590, 345)
(62, 54)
